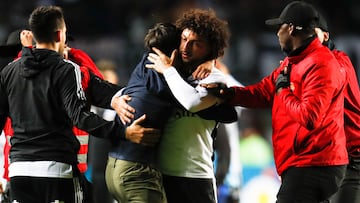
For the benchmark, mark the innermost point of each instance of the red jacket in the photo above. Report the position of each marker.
(351, 105)
(307, 120)
(86, 66)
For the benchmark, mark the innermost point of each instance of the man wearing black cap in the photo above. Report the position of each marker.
(306, 96)
(350, 189)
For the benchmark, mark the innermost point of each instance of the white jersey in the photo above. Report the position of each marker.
(186, 147)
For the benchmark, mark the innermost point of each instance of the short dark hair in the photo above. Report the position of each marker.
(44, 21)
(208, 26)
(164, 36)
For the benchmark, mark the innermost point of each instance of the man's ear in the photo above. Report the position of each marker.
(326, 36)
(58, 36)
(291, 28)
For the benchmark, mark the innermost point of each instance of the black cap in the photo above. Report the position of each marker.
(14, 37)
(299, 13)
(323, 24)
(12, 46)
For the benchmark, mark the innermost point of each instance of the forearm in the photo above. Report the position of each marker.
(188, 96)
(98, 127)
(222, 113)
(231, 81)
(100, 92)
(259, 95)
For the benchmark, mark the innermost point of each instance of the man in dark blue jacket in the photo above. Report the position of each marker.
(151, 96)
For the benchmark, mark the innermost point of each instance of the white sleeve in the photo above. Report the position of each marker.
(231, 81)
(192, 99)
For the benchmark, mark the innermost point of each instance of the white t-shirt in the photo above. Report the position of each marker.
(186, 147)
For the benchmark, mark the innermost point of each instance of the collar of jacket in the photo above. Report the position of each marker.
(302, 47)
(306, 49)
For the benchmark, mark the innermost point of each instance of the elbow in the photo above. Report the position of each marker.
(310, 126)
(313, 121)
(313, 124)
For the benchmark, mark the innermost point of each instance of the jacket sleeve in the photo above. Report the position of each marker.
(4, 107)
(75, 105)
(100, 92)
(222, 113)
(259, 95)
(322, 84)
(193, 99)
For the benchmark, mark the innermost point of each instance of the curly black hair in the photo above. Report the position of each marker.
(208, 26)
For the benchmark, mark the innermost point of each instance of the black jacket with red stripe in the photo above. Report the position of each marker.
(42, 94)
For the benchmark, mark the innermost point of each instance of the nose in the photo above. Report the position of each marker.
(186, 45)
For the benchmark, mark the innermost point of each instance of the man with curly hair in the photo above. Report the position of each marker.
(185, 151)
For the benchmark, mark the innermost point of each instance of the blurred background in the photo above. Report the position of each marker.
(113, 30)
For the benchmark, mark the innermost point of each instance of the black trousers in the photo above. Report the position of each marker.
(5, 196)
(189, 190)
(45, 190)
(349, 191)
(310, 184)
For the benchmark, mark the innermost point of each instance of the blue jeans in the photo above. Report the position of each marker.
(310, 184)
(134, 182)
